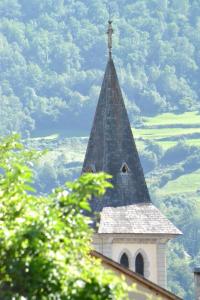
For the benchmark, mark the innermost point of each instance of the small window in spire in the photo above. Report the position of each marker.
(89, 169)
(124, 260)
(124, 168)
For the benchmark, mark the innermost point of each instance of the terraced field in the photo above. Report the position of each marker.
(168, 129)
(187, 119)
(185, 184)
(165, 130)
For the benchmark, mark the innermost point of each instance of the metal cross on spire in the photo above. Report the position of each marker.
(110, 33)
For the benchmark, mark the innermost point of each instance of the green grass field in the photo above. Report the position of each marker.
(162, 133)
(188, 183)
(158, 129)
(188, 118)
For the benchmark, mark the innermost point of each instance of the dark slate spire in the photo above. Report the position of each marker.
(111, 147)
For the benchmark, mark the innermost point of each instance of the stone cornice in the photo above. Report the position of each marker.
(132, 238)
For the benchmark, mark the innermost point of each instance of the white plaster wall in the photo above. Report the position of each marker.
(161, 264)
(103, 244)
(142, 290)
(152, 248)
(149, 252)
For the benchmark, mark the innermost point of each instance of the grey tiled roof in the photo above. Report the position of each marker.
(140, 218)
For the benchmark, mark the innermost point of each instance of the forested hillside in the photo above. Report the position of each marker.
(52, 59)
(53, 53)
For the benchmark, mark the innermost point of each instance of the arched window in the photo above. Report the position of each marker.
(139, 264)
(124, 168)
(124, 260)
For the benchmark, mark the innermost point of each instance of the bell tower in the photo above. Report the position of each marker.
(131, 230)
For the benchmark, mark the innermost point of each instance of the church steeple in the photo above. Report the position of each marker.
(131, 230)
(111, 146)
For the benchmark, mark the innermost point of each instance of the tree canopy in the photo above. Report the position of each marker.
(46, 241)
(53, 54)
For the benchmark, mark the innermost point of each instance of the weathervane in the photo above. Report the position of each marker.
(110, 33)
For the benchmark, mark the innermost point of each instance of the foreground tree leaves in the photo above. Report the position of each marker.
(45, 240)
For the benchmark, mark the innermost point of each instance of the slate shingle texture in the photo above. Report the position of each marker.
(140, 218)
(127, 207)
(111, 144)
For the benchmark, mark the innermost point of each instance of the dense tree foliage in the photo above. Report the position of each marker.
(45, 241)
(52, 57)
